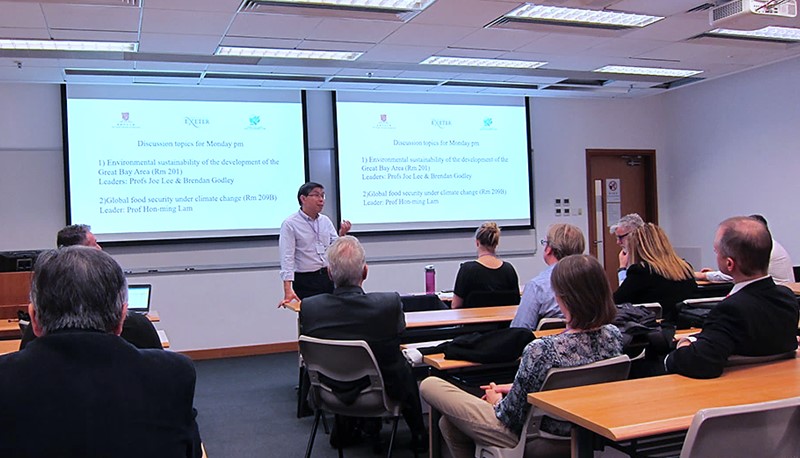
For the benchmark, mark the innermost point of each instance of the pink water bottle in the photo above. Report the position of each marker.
(430, 280)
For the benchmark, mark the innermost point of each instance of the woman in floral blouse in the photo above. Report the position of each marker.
(584, 296)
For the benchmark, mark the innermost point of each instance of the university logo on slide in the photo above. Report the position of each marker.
(487, 124)
(384, 122)
(255, 122)
(125, 123)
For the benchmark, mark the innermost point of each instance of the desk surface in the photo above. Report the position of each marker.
(460, 316)
(644, 407)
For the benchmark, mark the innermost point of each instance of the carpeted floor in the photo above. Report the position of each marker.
(247, 409)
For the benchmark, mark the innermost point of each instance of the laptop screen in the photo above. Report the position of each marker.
(139, 298)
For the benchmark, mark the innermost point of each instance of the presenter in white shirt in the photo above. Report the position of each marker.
(304, 237)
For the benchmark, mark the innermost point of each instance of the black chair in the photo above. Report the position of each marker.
(796, 270)
(422, 302)
(491, 298)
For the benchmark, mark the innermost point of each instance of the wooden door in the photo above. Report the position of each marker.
(619, 182)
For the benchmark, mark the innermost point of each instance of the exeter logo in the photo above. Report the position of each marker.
(196, 122)
(383, 122)
(441, 123)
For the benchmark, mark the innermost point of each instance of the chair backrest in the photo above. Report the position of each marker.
(654, 307)
(739, 360)
(692, 312)
(796, 271)
(336, 366)
(551, 323)
(607, 370)
(422, 302)
(762, 429)
(491, 298)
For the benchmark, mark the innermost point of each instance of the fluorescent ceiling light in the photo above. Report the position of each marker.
(648, 71)
(55, 45)
(584, 17)
(463, 61)
(389, 5)
(772, 32)
(287, 53)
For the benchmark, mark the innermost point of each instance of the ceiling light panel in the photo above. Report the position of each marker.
(287, 53)
(771, 33)
(389, 5)
(56, 45)
(579, 16)
(471, 62)
(650, 71)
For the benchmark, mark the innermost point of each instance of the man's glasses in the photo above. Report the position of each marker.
(317, 194)
(543, 242)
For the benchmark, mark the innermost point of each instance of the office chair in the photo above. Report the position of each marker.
(491, 298)
(761, 429)
(551, 323)
(345, 380)
(607, 370)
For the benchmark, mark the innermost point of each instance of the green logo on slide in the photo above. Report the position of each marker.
(254, 120)
(487, 122)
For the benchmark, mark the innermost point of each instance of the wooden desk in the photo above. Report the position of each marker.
(639, 408)
(476, 315)
(795, 287)
(9, 346)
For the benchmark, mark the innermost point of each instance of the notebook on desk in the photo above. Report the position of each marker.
(139, 298)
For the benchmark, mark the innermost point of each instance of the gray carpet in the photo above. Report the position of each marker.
(247, 409)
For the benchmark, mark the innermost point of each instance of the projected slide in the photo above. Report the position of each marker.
(431, 166)
(161, 169)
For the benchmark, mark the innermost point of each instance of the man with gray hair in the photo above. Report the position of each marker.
(81, 390)
(77, 234)
(622, 230)
(351, 314)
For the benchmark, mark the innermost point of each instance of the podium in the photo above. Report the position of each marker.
(15, 290)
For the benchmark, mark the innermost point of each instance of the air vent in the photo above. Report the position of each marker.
(130, 73)
(577, 82)
(133, 3)
(362, 80)
(324, 10)
(520, 86)
(265, 77)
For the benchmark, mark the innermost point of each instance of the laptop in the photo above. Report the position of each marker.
(139, 298)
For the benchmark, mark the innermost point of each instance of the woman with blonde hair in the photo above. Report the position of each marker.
(656, 272)
(488, 273)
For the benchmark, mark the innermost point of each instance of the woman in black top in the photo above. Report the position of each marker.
(656, 273)
(487, 273)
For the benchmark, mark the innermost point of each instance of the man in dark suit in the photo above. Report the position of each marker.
(137, 328)
(757, 318)
(351, 314)
(81, 390)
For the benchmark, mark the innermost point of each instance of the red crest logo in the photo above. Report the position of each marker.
(125, 116)
(383, 118)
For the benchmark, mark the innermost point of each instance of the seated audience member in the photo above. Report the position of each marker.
(351, 314)
(621, 231)
(137, 328)
(780, 264)
(487, 273)
(77, 234)
(584, 295)
(656, 273)
(79, 389)
(538, 300)
(757, 318)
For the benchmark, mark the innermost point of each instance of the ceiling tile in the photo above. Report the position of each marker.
(272, 26)
(320, 45)
(470, 13)
(248, 42)
(184, 22)
(196, 5)
(178, 44)
(24, 33)
(92, 17)
(395, 53)
(426, 35)
(19, 14)
(562, 43)
(497, 39)
(93, 35)
(335, 29)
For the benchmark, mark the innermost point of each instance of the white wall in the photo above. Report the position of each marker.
(231, 307)
(732, 149)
